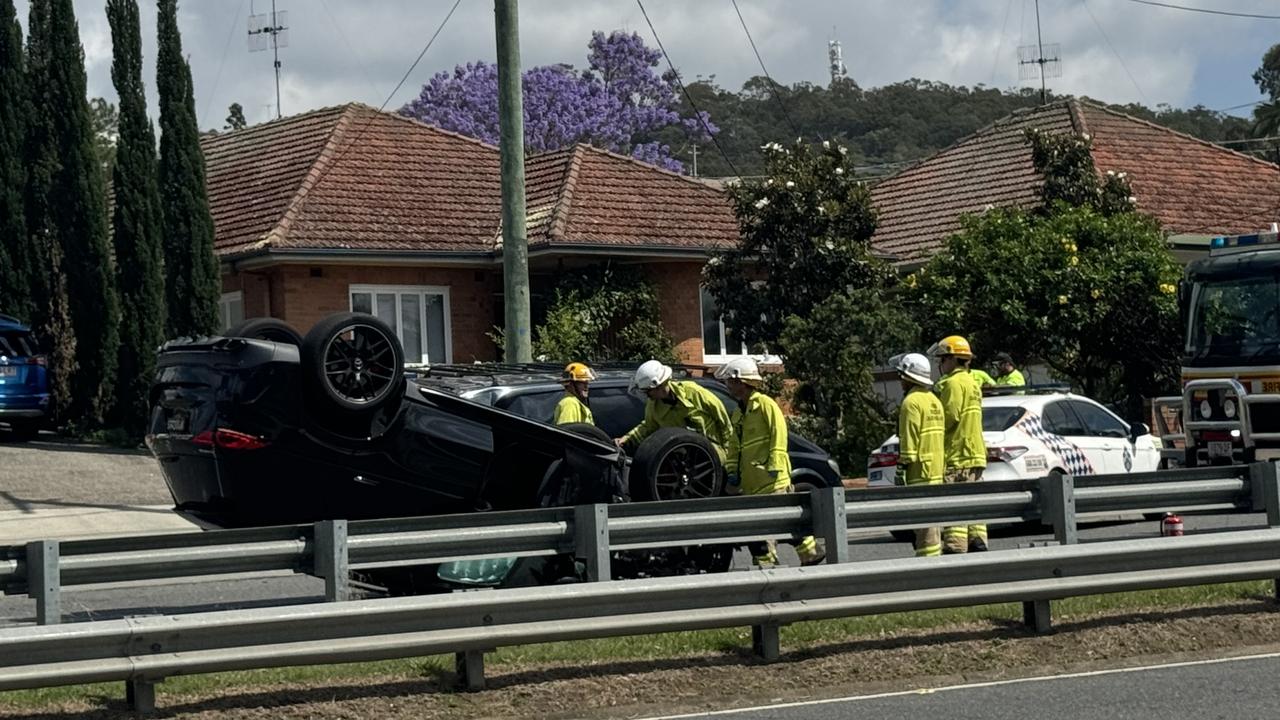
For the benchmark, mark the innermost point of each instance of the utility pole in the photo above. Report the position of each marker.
(515, 241)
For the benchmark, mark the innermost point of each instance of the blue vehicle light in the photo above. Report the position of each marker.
(1218, 242)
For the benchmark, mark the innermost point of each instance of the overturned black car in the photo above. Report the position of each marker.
(264, 427)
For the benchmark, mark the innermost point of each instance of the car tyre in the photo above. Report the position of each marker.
(676, 464)
(23, 431)
(266, 328)
(352, 363)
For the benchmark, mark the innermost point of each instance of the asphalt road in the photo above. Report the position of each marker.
(1231, 688)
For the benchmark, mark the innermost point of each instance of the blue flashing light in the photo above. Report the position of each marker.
(1218, 242)
(1232, 241)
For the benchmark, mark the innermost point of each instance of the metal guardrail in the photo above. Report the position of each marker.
(144, 650)
(330, 549)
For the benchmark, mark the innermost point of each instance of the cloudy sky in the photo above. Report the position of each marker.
(342, 50)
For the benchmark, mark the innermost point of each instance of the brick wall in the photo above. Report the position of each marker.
(679, 294)
(302, 295)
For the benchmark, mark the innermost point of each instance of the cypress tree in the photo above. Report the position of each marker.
(66, 216)
(135, 224)
(192, 282)
(15, 257)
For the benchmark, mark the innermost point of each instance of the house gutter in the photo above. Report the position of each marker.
(264, 257)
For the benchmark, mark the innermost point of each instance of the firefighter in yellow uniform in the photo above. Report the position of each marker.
(921, 452)
(1009, 374)
(677, 403)
(573, 407)
(966, 456)
(758, 463)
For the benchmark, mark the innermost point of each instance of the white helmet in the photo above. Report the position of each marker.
(744, 369)
(914, 367)
(649, 376)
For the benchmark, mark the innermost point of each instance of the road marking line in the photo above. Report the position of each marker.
(968, 686)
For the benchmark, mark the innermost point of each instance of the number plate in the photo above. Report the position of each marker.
(1270, 385)
(177, 422)
(8, 371)
(1220, 448)
(1036, 463)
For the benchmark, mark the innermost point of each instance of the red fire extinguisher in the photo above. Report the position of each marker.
(1171, 525)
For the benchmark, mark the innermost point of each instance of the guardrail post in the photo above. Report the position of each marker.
(330, 559)
(766, 642)
(1058, 505)
(830, 523)
(1037, 615)
(44, 581)
(469, 666)
(140, 695)
(1264, 487)
(591, 539)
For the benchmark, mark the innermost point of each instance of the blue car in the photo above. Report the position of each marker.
(24, 380)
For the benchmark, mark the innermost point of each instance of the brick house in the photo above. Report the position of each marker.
(1195, 189)
(349, 208)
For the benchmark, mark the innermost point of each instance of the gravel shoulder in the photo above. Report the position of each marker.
(972, 652)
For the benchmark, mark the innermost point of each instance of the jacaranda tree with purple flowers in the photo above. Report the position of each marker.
(619, 103)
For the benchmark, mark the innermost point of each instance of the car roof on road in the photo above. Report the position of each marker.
(477, 376)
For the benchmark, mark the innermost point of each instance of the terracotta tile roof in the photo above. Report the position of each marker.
(1189, 185)
(352, 177)
(587, 196)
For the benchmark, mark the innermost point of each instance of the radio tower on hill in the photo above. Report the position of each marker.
(836, 62)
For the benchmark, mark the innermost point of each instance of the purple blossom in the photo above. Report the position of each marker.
(619, 103)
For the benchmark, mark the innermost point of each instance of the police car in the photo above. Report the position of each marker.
(1033, 431)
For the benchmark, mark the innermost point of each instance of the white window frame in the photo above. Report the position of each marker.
(421, 290)
(724, 357)
(224, 308)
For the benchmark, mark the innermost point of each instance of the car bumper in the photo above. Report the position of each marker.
(30, 405)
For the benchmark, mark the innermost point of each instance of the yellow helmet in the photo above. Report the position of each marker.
(577, 372)
(952, 345)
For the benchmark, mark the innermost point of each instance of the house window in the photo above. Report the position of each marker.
(231, 309)
(718, 345)
(419, 315)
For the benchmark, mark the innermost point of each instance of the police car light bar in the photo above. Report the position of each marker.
(1231, 241)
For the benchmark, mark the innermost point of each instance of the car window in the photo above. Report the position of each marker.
(1098, 422)
(540, 406)
(16, 343)
(1060, 420)
(616, 411)
(999, 419)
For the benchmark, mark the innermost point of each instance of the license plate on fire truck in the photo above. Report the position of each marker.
(1220, 448)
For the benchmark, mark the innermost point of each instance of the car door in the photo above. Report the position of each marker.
(1123, 455)
(1107, 432)
(1078, 453)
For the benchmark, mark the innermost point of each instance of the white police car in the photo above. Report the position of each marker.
(1035, 432)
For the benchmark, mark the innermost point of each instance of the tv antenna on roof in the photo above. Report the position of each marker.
(269, 30)
(1041, 59)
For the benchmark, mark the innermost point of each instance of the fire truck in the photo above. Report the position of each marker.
(1229, 410)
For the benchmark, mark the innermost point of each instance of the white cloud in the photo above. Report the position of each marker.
(341, 51)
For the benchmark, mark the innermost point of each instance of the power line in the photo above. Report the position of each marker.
(689, 98)
(773, 89)
(1206, 11)
(1114, 52)
(1242, 105)
(235, 20)
(1247, 140)
(1000, 45)
(360, 133)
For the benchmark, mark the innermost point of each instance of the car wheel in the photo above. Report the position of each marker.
(676, 464)
(265, 328)
(588, 430)
(23, 431)
(711, 558)
(353, 362)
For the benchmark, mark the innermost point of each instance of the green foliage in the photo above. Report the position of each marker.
(66, 216)
(1267, 76)
(804, 283)
(106, 132)
(193, 284)
(15, 250)
(136, 225)
(806, 233)
(603, 312)
(1088, 289)
(1066, 163)
(235, 118)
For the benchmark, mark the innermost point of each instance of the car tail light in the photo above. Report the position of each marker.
(884, 459)
(228, 440)
(1004, 454)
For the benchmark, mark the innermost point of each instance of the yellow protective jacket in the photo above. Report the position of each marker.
(1013, 378)
(921, 434)
(694, 408)
(572, 410)
(983, 378)
(758, 447)
(962, 408)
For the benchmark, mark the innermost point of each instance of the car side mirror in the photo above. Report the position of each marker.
(1137, 430)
